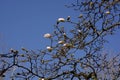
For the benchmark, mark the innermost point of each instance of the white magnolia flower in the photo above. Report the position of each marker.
(49, 48)
(41, 79)
(60, 42)
(47, 35)
(61, 20)
(79, 31)
(65, 45)
(64, 34)
(107, 12)
(68, 45)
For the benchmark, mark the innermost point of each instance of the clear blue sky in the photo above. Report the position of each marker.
(24, 22)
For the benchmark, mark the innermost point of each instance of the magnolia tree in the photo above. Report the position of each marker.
(74, 53)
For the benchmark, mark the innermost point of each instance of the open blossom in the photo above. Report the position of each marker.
(47, 35)
(107, 12)
(49, 48)
(61, 20)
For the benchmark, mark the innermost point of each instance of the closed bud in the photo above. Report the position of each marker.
(107, 12)
(60, 42)
(61, 20)
(49, 48)
(80, 16)
(68, 18)
(47, 35)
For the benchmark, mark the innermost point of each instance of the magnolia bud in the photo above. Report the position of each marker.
(47, 35)
(61, 20)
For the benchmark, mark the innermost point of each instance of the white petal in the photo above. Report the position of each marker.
(60, 42)
(47, 35)
(61, 20)
(49, 48)
(107, 12)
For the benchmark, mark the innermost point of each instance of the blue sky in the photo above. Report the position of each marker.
(24, 22)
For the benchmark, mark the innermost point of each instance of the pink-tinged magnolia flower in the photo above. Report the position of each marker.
(47, 35)
(61, 20)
